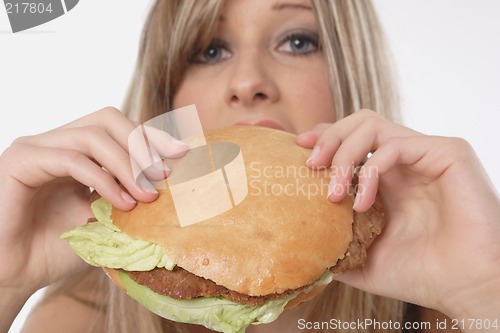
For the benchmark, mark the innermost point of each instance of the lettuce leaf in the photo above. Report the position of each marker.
(215, 313)
(102, 244)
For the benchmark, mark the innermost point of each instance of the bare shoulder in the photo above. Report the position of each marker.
(76, 305)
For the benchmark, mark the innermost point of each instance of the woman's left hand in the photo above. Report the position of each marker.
(440, 247)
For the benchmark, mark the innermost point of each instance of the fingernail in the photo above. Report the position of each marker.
(357, 200)
(146, 185)
(313, 155)
(128, 198)
(165, 169)
(331, 186)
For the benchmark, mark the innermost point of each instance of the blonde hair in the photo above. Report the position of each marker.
(360, 75)
(173, 30)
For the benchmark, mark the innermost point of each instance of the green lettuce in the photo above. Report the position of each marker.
(102, 244)
(215, 313)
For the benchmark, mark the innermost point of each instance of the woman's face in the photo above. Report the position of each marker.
(263, 67)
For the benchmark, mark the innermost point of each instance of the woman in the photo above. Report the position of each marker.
(305, 67)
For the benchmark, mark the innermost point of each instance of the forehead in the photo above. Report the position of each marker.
(264, 16)
(244, 6)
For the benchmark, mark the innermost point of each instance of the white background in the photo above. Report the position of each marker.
(447, 53)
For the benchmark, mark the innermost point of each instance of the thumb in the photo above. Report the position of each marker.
(355, 278)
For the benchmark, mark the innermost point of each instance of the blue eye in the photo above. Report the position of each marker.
(215, 52)
(299, 43)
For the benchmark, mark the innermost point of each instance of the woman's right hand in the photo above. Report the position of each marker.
(45, 181)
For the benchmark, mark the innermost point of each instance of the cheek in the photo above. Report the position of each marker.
(313, 98)
(195, 91)
(191, 91)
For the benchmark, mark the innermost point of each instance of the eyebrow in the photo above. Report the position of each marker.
(288, 5)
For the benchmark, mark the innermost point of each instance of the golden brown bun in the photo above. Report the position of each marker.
(267, 243)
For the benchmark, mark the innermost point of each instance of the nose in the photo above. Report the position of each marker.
(251, 81)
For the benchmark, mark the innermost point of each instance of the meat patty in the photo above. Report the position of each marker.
(366, 226)
(181, 284)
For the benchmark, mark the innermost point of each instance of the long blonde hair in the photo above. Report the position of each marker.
(360, 77)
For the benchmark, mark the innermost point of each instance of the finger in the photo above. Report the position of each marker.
(351, 153)
(145, 160)
(110, 120)
(346, 144)
(331, 137)
(119, 128)
(375, 128)
(148, 146)
(308, 139)
(35, 166)
(414, 152)
(95, 143)
(356, 279)
(166, 145)
(134, 172)
(367, 187)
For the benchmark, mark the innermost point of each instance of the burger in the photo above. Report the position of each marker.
(192, 257)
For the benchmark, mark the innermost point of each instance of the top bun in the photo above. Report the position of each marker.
(283, 235)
